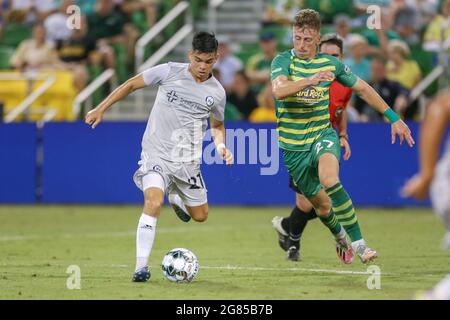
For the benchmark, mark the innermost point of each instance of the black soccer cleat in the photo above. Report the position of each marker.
(293, 254)
(142, 275)
(184, 216)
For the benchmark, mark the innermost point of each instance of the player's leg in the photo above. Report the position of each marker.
(296, 222)
(328, 169)
(298, 219)
(199, 213)
(302, 168)
(439, 191)
(153, 186)
(191, 192)
(179, 207)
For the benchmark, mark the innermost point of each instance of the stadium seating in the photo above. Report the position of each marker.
(14, 34)
(59, 96)
(5, 56)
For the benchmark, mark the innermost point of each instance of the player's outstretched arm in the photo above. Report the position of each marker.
(282, 87)
(431, 135)
(373, 99)
(343, 135)
(218, 134)
(94, 117)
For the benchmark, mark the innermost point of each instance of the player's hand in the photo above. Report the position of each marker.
(346, 146)
(401, 129)
(321, 76)
(94, 117)
(417, 187)
(226, 154)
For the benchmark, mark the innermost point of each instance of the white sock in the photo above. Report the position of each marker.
(176, 199)
(145, 235)
(341, 234)
(357, 243)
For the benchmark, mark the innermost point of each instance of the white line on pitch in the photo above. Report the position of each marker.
(229, 267)
(115, 234)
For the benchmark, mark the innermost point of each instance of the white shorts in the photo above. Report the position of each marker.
(440, 188)
(185, 179)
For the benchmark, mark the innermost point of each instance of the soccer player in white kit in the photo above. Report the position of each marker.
(188, 96)
(434, 176)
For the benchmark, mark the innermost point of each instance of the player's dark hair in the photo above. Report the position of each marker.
(308, 18)
(205, 42)
(332, 38)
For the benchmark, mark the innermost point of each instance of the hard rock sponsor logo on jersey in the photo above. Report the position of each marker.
(310, 95)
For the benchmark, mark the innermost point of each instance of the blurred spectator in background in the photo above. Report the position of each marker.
(405, 71)
(281, 12)
(87, 6)
(405, 20)
(343, 26)
(4, 8)
(231, 111)
(35, 53)
(265, 112)
(426, 10)
(400, 67)
(438, 30)
(357, 60)
(378, 39)
(76, 53)
(56, 23)
(30, 11)
(228, 64)
(392, 92)
(258, 65)
(149, 7)
(242, 96)
(107, 27)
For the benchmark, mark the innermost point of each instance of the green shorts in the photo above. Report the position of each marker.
(303, 165)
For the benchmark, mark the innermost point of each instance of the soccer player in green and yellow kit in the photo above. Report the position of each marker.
(301, 79)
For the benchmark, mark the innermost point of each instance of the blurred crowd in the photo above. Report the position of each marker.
(105, 37)
(393, 58)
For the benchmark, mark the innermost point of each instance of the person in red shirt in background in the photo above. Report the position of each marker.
(291, 228)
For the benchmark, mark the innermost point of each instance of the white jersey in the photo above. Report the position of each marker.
(179, 117)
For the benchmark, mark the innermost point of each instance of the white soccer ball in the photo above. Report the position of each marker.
(180, 265)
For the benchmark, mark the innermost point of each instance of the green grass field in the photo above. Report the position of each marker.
(237, 249)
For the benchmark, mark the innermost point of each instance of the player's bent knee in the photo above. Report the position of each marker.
(303, 204)
(323, 210)
(328, 182)
(152, 205)
(200, 218)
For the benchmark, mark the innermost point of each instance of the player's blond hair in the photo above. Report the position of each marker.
(308, 18)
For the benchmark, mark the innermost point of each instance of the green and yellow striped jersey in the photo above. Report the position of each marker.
(301, 118)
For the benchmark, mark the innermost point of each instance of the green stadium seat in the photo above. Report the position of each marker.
(425, 61)
(5, 56)
(14, 34)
